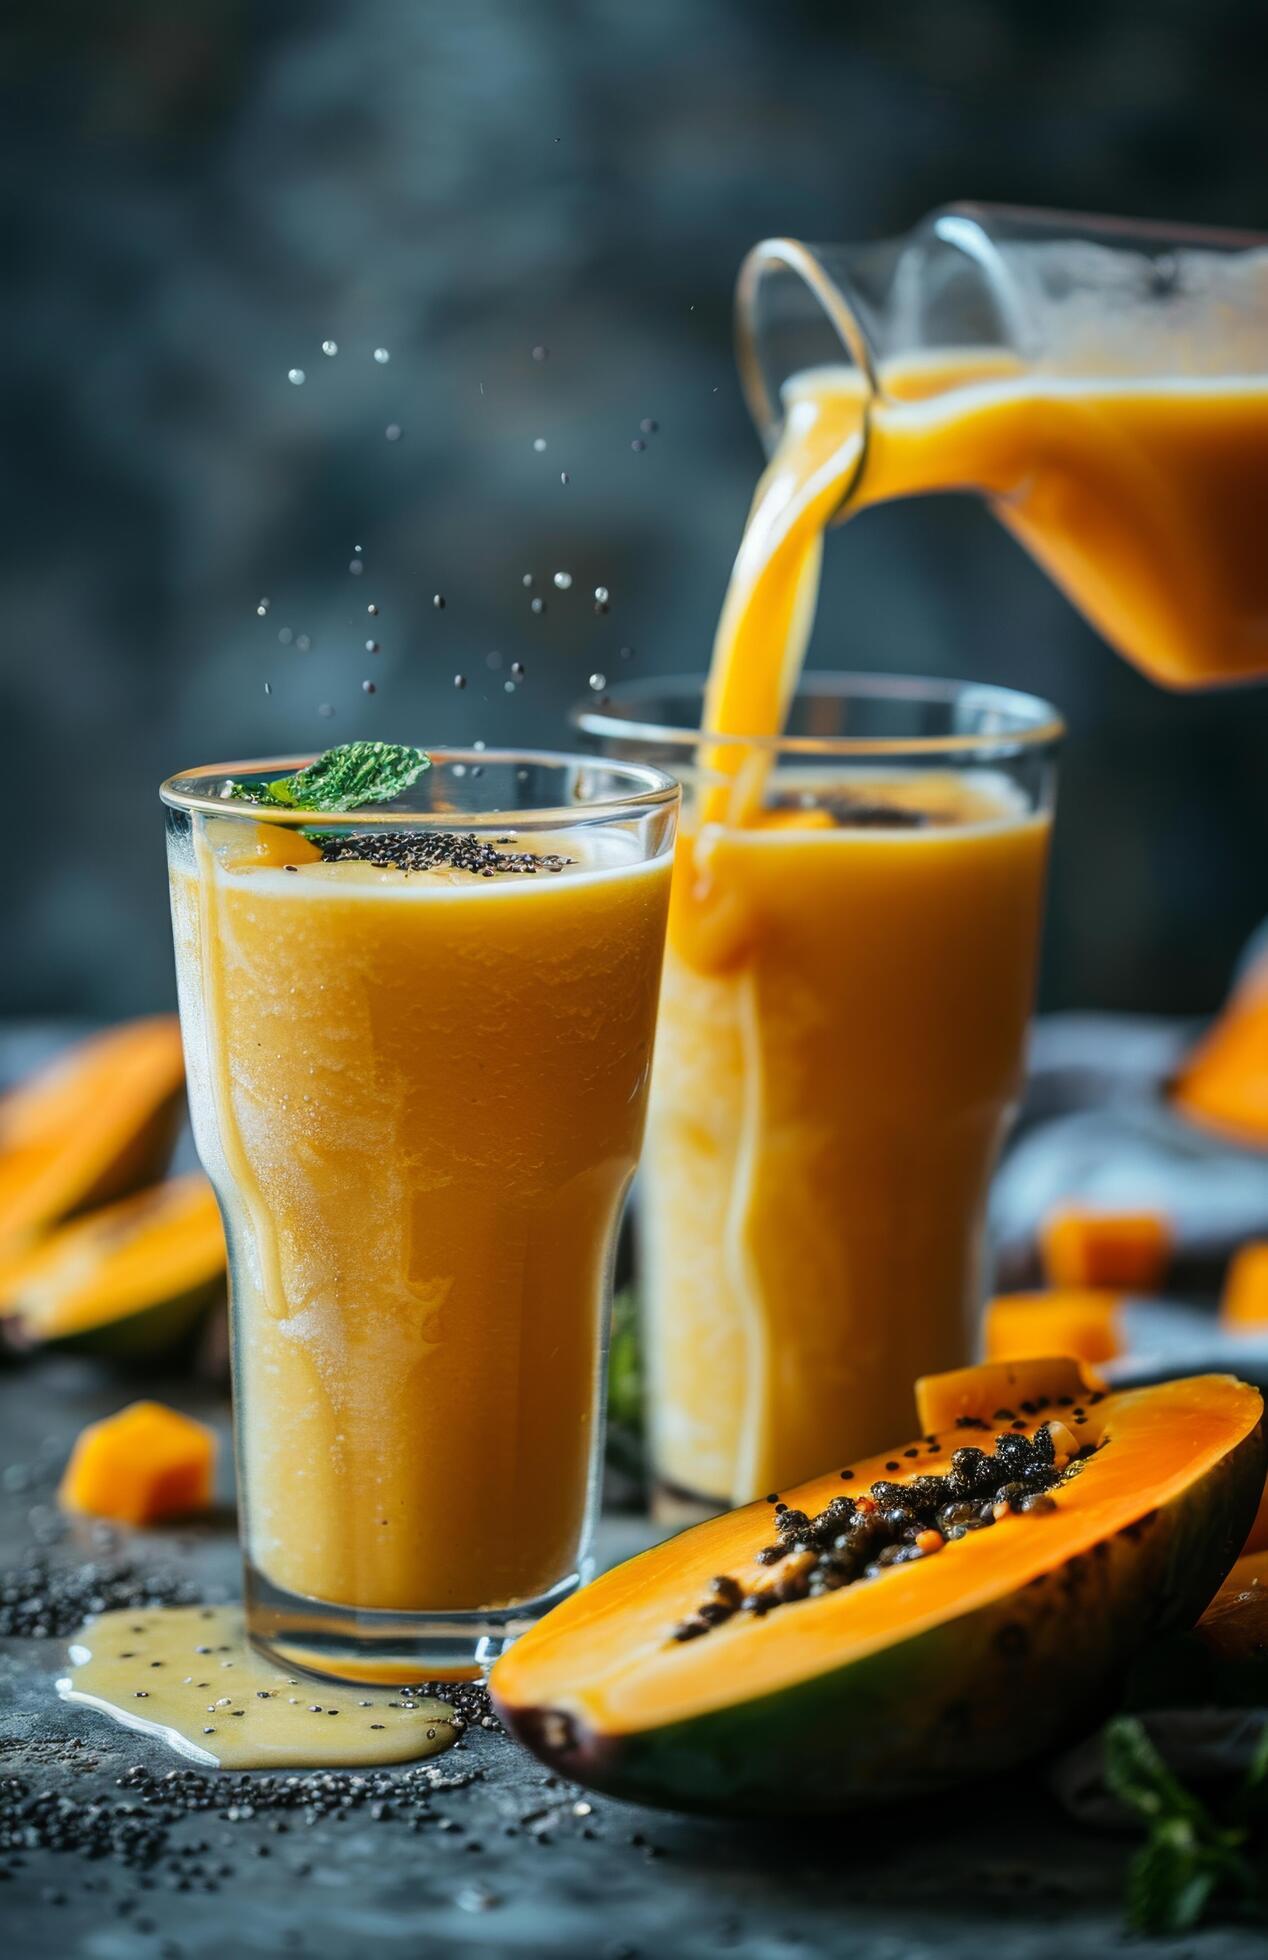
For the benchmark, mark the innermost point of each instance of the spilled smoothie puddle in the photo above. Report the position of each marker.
(189, 1675)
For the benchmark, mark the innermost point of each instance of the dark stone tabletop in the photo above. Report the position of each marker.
(508, 1859)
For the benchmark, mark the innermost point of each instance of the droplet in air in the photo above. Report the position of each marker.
(638, 443)
(625, 652)
(330, 347)
(563, 580)
(598, 682)
(382, 356)
(527, 579)
(602, 595)
(373, 610)
(493, 660)
(302, 642)
(537, 605)
(460, 680)
(541, 353)
(394, 432)
(479, 745)
(460, 769)
(564, 477)
(268, 687)
(438, 600)
(325, 710)
(285, 636)
(648, 427)
(367, 687)
(517, 668)
(356, 567)
(508, 687)
(539, 443)
(371, 646)
(296, 377)
(263, 607)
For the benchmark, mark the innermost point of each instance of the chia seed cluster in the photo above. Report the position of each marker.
(857, 1538)
(42, 1599)
(437, 850)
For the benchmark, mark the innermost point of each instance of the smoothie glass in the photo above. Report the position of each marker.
(848, 977)
(419, 1092)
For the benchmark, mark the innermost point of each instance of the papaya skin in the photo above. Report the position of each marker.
(959, 1665)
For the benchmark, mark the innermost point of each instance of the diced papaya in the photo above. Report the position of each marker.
(1081, 1321)
(1244, 1303)
(140, 1466)
(1130, 1250)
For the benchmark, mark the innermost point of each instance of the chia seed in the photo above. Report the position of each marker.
(443, 850)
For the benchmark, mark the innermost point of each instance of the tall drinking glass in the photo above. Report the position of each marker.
(418, 1042)
(847, 984)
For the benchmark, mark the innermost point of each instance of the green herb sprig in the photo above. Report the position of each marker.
(1190, 1859)
(343, 778)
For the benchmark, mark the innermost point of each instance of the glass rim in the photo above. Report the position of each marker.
(650, 789)
(1036, 724)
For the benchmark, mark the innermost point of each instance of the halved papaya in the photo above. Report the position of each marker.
(96, 1124)
(910, 1676)
(127, 1281)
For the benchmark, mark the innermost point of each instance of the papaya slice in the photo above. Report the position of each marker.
(916, 1675)
(128, 1281)
(1081, 1321)
(1223, 1662)
(141, 1466)
(1130, 1250)
(96, 1124)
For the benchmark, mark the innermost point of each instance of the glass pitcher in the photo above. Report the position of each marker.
(1102, 383)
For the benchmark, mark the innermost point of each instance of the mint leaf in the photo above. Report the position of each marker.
(1137, 1775)
(344, 778)
(1189, 1857)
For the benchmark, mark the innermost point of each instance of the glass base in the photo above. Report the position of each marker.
(386, 1648)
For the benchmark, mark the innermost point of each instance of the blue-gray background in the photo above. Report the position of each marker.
(195, 195)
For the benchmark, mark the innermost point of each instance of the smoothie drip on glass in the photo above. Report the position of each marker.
(418, 1068)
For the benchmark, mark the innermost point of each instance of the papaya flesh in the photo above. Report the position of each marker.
(128, 1281)
(97, 1123)
(930, 1672)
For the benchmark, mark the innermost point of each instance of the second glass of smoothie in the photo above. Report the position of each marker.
(418, 1042)
(850, 968)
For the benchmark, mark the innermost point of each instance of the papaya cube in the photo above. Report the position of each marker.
(1080, 1321)
(1244, 1302)
(140, 1466)
(1130, 1250)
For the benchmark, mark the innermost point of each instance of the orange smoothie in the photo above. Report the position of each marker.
(421, 1097)
(842, 1026)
